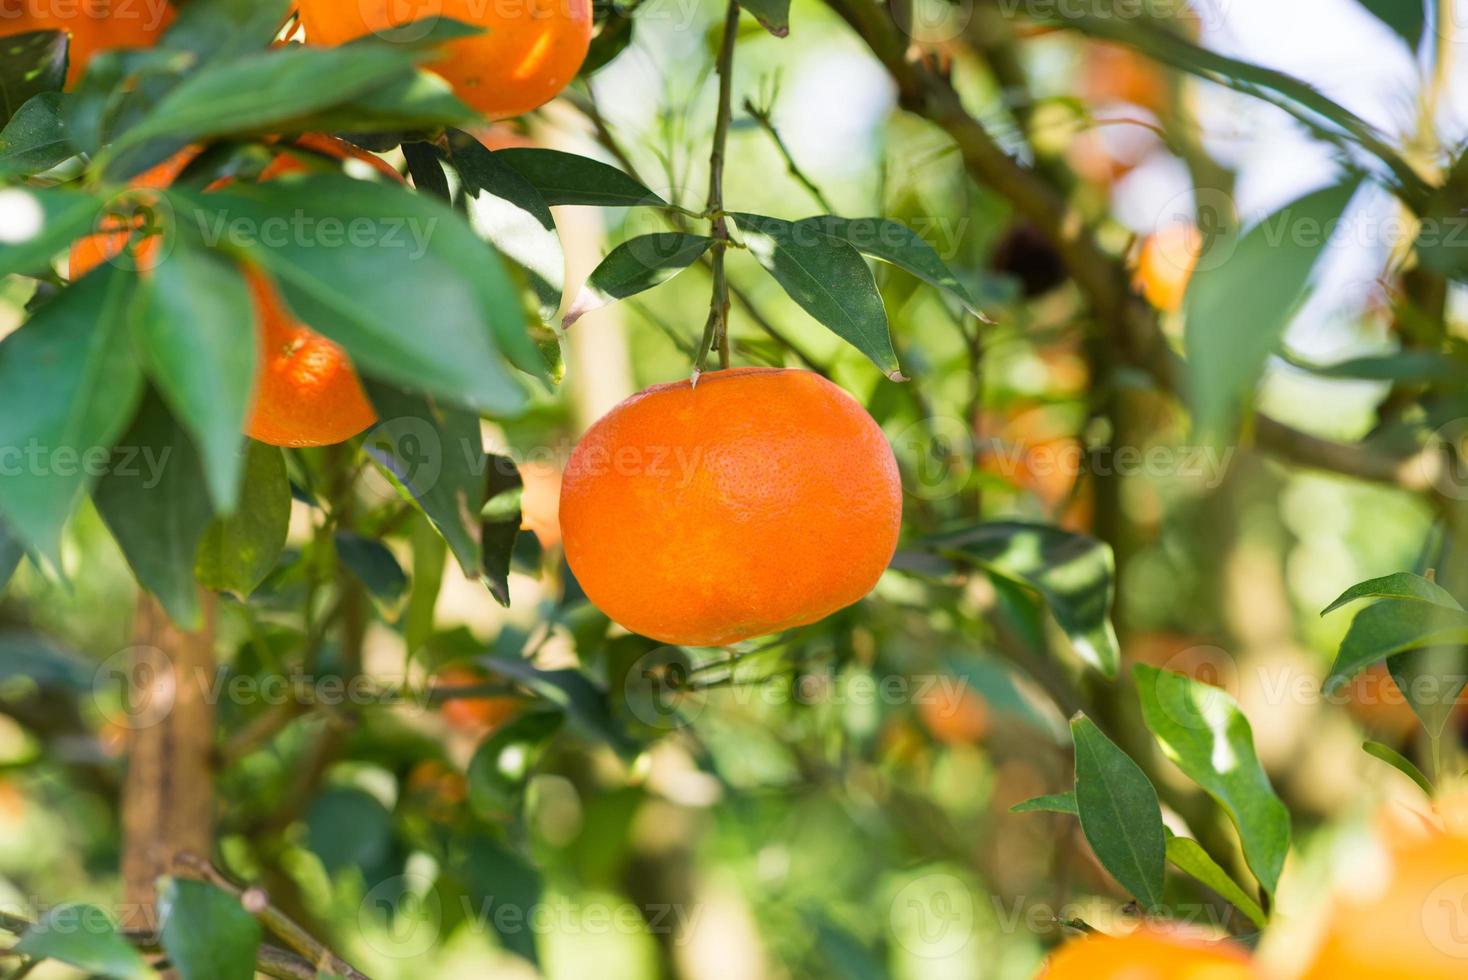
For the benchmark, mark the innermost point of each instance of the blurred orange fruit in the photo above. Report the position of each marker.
(1166, 264)
(1150, 953)
(475, 716)
(955, 715)
(94, 25)
(529, 51)
(1111, 73)
(1379, 705)
(306, 393)
(761, 500)
(1404, 920)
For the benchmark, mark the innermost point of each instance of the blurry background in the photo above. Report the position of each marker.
(801, 825)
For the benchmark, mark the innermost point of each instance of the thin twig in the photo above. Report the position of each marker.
(767, 123)
(716, 331)
(277, 922)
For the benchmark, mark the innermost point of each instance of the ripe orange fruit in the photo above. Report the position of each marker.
(760, 500)
(307, 392)
(1407, 920)
(1151, 953)
(94, 25)
(1166, 264)
(529, 51)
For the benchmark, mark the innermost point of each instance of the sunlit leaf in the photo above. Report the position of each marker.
(1120, 814)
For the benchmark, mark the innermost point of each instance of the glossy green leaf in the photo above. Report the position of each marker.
(1392, 626)
(34, 140)
(1400, 763)
(436, 454)
(1054, 803)
(195, 329)
(828, 279)
(1073, 573)
(1202, 730)
(30, 64)
(894, 243)
(1398, 585)
(565, 178)
(1406, 18)
(69, 385)
(1188, 856)
(341, 253)
(82, 936)
(39, 223)
(429, 554)
(1120, 814)
(1242, 298)
(266, 90)
(773, 15)
(151, 499)
(634, 266)
(1408, 365)
(349, 829)
(205, 931)
(508, 212)
(505, 760)
(240, 550)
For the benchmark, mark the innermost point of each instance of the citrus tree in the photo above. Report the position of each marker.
(323, 667)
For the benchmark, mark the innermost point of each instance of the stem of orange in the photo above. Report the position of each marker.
(716, 330)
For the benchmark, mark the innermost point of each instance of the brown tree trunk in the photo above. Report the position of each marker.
(168, 795)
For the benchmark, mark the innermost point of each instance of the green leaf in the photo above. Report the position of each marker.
(82, 936)
(240, 550)
(30, 64)
(1202, 730)
(634, 266)
(1243, 296)
(1400, 763)
(565, 178)
(1120, 814)
(1431, 680)
(1409, 365)
(1074, 574)
(1189, 857)
(435, 452)
(205, 931)
(501, 524)
(34, 140)
(614, 36)
(896, 244)
(265, 91)
(828, 279)
(1054, 803)
(11, 552)
(505, 760)
(38, 223)
(429, 553)
(373, 564)
(352, 286)
(573, 692)
(68, 387)
(195, 330)
(500, 878)
(508, 212)
(349, 830)
(995, 681)
(217, 30)
(1398, 585)
(151, 500)
(416, 101)
(1392, 626)
(773, 15)
(1406, 18)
